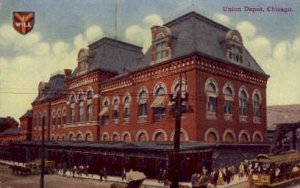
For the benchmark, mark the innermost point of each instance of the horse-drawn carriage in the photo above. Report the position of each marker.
(33, 168)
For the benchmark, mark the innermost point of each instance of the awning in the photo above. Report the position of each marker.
(142, 101)
(126, 105)
(104, 111)
(159, 101)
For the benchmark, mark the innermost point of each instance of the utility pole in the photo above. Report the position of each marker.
(42, 154)
(177, 111)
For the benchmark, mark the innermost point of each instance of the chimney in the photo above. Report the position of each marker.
(67, 73)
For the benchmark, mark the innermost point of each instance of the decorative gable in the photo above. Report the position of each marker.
(234, 46)
(161, 48)
(83, 57)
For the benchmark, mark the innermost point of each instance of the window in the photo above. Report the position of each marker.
(64, 119)
(53, 122)
(142, 108)
(58, 117)
(228, 104)
(235, 54)
(159, 104)
(243, 103)
(116, 109)
(127, 107)
(89, 112)
(256, 105)
(160, 50)
(72, 114)
(89, 94)
(104, 113)
(80, 108)
(183, 95)
(212, 99)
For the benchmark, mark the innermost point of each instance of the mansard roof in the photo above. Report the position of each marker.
(194, 33)
(112, 55)
(53, 89)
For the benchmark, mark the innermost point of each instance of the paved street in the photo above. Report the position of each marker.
(8, 180)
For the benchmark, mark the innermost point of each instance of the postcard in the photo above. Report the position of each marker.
(137, 93)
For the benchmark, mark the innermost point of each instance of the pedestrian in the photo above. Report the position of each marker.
(74, 170)
(165, 177)
(86, 170)
(123, 174)
(101, 175)
(159, 176)
(104, 173)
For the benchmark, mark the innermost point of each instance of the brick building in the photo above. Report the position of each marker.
(121, 97)
(13, 131)
(118, 93)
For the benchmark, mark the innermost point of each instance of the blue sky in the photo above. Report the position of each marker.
(62, 27)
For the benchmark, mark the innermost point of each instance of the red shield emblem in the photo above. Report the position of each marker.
(23, 21)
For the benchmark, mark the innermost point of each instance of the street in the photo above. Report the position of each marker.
(8, 180)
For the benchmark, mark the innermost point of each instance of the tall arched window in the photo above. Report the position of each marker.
(72, 109)
(243, 103)
(159, 104)
(89, 112)
(53, 118)
(142, 108)
(80, 108)
(64, 114)
(256, 106)
(211, 98)
(89, 94)
(127, 107)
(58, 117)
(104, 113)
(228, 103)
(116, 110)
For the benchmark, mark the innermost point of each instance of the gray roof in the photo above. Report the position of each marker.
(194, 33)
(8, 121)
(112, 55)
(54, 88)
(11, 131)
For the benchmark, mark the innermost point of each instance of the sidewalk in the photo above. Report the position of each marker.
(149, 183)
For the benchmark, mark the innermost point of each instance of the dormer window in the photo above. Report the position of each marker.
(83, 57)
(161, 44)
(234, 46)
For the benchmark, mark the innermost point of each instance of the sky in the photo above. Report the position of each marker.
(62, 27)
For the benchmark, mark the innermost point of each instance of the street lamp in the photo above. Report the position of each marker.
(176, 101)
(42, 154)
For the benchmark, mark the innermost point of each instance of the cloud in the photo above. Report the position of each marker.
(140, 34)
(280, 61)
(34, 60)
(247, 29)
(221, 18)
(93, 33)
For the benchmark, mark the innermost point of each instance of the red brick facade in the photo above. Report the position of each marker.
(135, 105)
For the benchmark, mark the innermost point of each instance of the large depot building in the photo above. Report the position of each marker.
(117, 93)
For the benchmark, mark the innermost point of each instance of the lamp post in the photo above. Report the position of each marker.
(177, 111)
(42, 154)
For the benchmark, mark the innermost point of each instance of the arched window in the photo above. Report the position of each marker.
(104, 113)
(142, 108)
(127, 107)
(64, 119)
(72, 109)
(89, 112)
(243, 103)
(159, 137)
(228, 103)
(89, 94)
(79, 137)
(88, 137)
(58, 117)
(71, 137)
(159, 104)
(142, 137)
(116, 110)
(183, 94)
(256, 105)
(212, 99)
(53, 118)
(80, 108)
